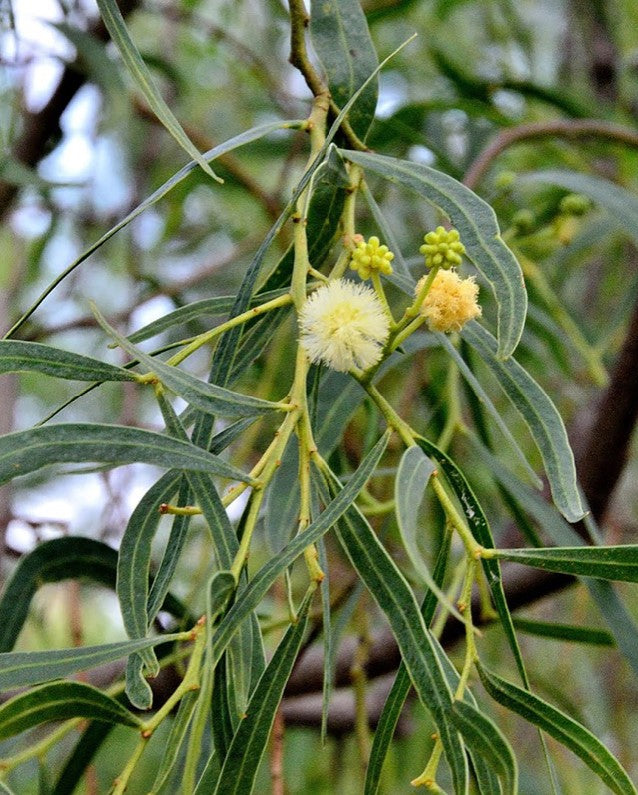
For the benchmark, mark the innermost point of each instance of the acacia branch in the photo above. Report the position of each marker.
(563, 128)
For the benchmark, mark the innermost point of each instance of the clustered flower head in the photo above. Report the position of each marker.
(344, 325)
(371, 256)
(450, 302)
(442, 249)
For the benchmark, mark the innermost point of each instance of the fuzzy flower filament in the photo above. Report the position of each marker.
(344, 326)
(442, 249)
(370, 256)
(450, 302)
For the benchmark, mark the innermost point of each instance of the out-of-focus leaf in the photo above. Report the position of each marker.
(27, 451)
(568, 632)
(621, 203)
(17, 356)
(60, 701)
(477, 225)
(342, 41)
(115, 25)
(560, 726)
(541, 416)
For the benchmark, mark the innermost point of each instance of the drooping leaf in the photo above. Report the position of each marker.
(17, 356)
(60, 701)
(477, 225)
(541, 416)
(560, 726)
(206, 397)
(23, 452)
(342, 42)
(19, 669)
(116, 27)
(249, 743)
(388, 587)
(400, 688)
(484, 737)
(256, 589)
(602, 562)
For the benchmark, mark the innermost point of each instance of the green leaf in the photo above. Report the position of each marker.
(27, 451)
(176, 739)
(207, 307)
(233, 143)
(17, 356)
(60, 701)
(257, 588)
(485, 738)
(568, 632)
(560, 726)
(206, 397)
(413, 475)
(401, 687)
(605, 563)
(490, 408)
(250, 741)
(621, 203)
(477, 225)
(388, 587)
(134, 559)
(281, 515)
(480, 528)
(19, 669)
(541, 416)
(116, 27)
(342, 42)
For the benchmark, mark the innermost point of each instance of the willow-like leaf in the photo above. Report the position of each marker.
(541, 416)
(603, 562)
(560, 726)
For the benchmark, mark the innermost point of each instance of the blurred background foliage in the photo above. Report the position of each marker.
(550, 81)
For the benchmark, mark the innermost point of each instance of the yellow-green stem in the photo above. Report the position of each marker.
(244, 317)
(453, 407)
(413, 310)
(391, 417)
(474, 549)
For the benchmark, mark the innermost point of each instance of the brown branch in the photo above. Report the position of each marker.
(43, 126)
(581, 128)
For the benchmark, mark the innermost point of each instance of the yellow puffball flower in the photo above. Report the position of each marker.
(450, 302)
(343, 325)
(370, 256)
(442, 249)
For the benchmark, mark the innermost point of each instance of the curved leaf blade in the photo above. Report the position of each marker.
(118, 31)
(250, 740)
(60, 701)
(484, 737)
(341, 39)
(17, 356)
(541, 416)
(477, 225)
(20, 669)
(603, 563)
(23, 452)
(560, 726)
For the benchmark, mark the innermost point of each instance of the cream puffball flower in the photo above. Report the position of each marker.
(450, 301)
(343, 325)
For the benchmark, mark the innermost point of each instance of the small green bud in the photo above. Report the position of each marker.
(442, 249)
(575, 204)
(505, 179)
(371, 256)
(523, 221)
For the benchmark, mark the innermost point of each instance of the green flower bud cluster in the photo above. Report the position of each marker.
(575, 204)
(442, 249)
(371, 256)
